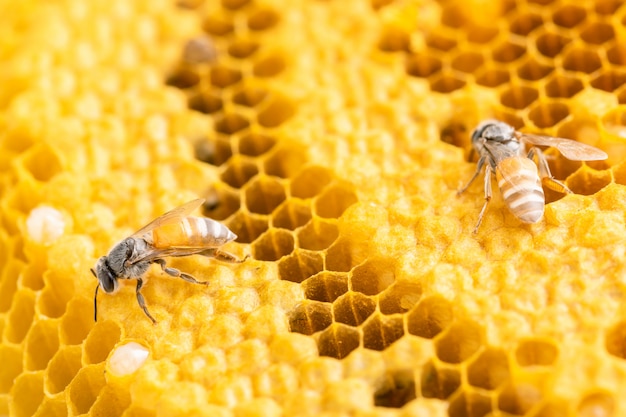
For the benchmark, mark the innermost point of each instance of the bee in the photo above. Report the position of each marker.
(174, 233)
(520, 175)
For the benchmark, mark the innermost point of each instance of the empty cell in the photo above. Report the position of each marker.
(489, 370)
(374, 276)
(242, 48)
(284, 162)
(276, 111)
(334, 200)
(238, 172)
(588, 181)
(318, 234)
(468, 62)
(379, 4)
(326, 286)
(340, 256)
(617, 54)
(291, 214)
(394, 40)
(76, 322)
(231, 123)
(273, 245)
(112, 402)
(222, 77)
(524, 23)
(422, 65)
(234, 4)
(62, 369)
(470, 404)
(452, 16)
(264, 194)
(53, 299)
(563, 86)
(536, 352)
(460, 342)
(100, 341)
(609, 81)
(551, 44)
(597, 404)
(518, 399)
(249, 96)
(569, 15)
(399, 298)
(8, 282)
(221, 203)
(379, 332)
(607, 7)
(20, 316)
(255, 144)
(214, 151)
(615, 340)
(492, 77)
(42, 162)
(439, 382)
(247, 226)
(199, 50)
(183, 78)
(300, 265)
(440, 42)
(85, 388)
(217, 26)
(397, 390)
(310, 181)
(205, 102)
(582, 60)
(338, 340)
(518, 97)
(508, 52)
(431, 316)
(446, 83)
(481, 34)
(52, 407)
(598, 33)
(11, 360)
(41, 344)
(353, 308)
(532, 70)
(262, 19)
(310, 317)
(26, 394)
(269, 65)
(547, 114)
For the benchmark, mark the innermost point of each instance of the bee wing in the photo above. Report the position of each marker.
(155, 253)
(172, 216)
(570, 149)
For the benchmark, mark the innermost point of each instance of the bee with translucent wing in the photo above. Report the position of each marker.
(175, 233)
(520, 175)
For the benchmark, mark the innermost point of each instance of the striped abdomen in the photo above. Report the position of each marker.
(521, 190)
(193, 232)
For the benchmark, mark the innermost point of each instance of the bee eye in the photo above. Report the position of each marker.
(108, 282)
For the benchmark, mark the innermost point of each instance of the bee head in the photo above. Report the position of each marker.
(106, 277)
(494, 130)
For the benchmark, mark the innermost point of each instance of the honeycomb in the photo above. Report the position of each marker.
(331, 137)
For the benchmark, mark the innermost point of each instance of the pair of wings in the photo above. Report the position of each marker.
(575, 151)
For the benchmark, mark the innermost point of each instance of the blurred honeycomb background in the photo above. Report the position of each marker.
(331, 137)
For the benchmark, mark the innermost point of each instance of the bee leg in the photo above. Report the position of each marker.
(544, 172)
(142, 301)
(177, 273)
(487, 197)
(479, 167)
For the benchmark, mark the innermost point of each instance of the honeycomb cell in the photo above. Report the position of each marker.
(214, 151)
(334, 200)
(532, 70)
(587, 181)
(42, 161)
(551, 44)
(310, 317)
(111, 402)
(217, 26)
(231, 123)
(440, 41)
(340, 257)
(338, 340)
(100, 341)
(379, 331)
(607, 7)
(439, 382)
(353, 308)
(398, 390)
(300, 265)
(317, 234)
(183, 78)
(42, 342)
(518, 97)
(221, 204)
(609, 81)
(27, 394)
(536, 352)
(264, 194)
(8, 283)
(554, 408)
(616, 54)
(470, 404)
(20, 316)
(597, 404)
(421, 65)
(326, 286)
(394, 40)
(597, 33)
(373, 277)
(581, 60)
(273, 245)
(269, 66)
(468, 61)
(547, 114)
(127, 358)
(255, 144)
(205, 102)
(452, 16)
(199, 50)
(310, 181)
(11, 360)
(489, 370)
(234, 4)
(284, 162)
(250, 96)
(276, 111)
(85, 388)
(379, 4)
(446, 83)
(431, 316)
(238, 172)
(518, 399)
(263, 19)
(242, 48)
(292, 214)
(62, 368)
(563, 86)
(52, 407)
(492, 77)
(222, 77)
(569, 15)
(508, 52)
(615, 340)
(247, 227)
(399, 298)
(459, 343)
(524, 23)
(481, 34)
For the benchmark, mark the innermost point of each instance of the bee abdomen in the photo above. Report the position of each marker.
(521, 190)
(193, 232)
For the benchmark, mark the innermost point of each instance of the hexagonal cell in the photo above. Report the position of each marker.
(275, 112)
(353, 308)
(524, 23)
(255, 144)
(492, 77)
(26, 394)
(310, 317)
(250, 96)
(617, 54)
(284, 161)
(11, 359)
(20, 317)
(238, 172)
(273, 245)
(231, 123)
(310, 181)
(247, 226)
(100, 341)
(470, 404)
(518, 97)
(609, 81)
(452, 16)
(489, 370)
(292, 214)
(318, 234)
(214, 151)
(536, 352)
(421, 65)
(615, 340)
(222, 77)
(508, 52)
(563, 86)
(217, 26)
(599, 403)
(394, 40)
(183, 78)
(264, 194)
(532, 70)
(551, 44)
(446, 83)
(399, 298)
(263, 19)
(62, 369)
(269, 66)
(440, 41)
(582, 60)
(326, 286)
(398, 390)
(588, 181)
(598, 33)
(481, 34)
(41, 344)
(569, 15)
(468, 61)
(607, 7)
(334, 200)
(338, 341)
(8, 283)
(379, 4)
(234, 4)
(460, 342)
(221, 203)
(340, 256)
(439, 382)
(242, 48)
(42, 161)
(85, 388)
(431, 316)
(199, 50)
(373, 276)
(548, 114)
(77, 322)
(299, 266)
(379, 332)
(205, 102)
(518, 399)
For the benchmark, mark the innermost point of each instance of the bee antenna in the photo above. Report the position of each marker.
(95, 303)
(93, 272)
